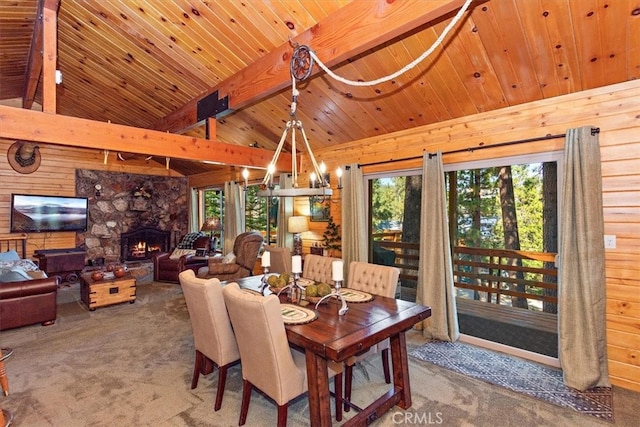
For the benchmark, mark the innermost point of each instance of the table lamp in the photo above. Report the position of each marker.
(211, 225)
(297, 225)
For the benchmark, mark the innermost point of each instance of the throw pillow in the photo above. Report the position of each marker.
(177, 253)
(9, 256)
(13, 276)
(189, 239)
(229, 258)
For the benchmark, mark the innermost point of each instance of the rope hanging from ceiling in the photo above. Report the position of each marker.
(303, 58)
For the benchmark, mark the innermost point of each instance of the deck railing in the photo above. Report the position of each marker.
(523, 279)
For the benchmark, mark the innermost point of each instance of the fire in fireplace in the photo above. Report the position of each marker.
(140, 244)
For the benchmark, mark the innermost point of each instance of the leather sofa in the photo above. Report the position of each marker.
(166, 269)
(28, 302)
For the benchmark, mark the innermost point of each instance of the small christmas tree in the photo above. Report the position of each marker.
(332, 237)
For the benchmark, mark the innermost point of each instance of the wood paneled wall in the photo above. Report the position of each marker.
(615, 110)
(57, 176)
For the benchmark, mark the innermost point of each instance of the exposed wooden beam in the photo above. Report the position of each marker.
(34, 63)
(36, 51)
(29, 125)
(50, 54)
(350, 31)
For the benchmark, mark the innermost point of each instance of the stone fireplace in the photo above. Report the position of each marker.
(128, 203)
(140, 244)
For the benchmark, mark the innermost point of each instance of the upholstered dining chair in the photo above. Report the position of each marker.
(377, 280)
(213, 336)
(268, 363)
(318, 268)
(280, 259)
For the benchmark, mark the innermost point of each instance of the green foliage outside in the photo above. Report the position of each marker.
(479, 215)
(388, 201)
(255, 209)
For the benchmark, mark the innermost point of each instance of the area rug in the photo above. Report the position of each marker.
(530, 378)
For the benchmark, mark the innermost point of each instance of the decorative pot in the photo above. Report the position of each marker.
(97, 275)
(119, 272)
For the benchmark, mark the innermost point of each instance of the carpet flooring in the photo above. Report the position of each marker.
(131, 364)
(530, 378)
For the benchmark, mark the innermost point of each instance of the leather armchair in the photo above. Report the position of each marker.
(166, 269)
(246, 248)
(28, 302)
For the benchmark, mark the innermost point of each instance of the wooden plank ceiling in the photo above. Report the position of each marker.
(135, 62)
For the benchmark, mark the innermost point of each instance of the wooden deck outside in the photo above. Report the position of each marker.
(488, 282)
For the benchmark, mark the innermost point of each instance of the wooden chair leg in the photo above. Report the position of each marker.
(196, 369)
(348, 376)
(4, 382)
(222, 380)
(246, 397)
(6, 418)
(282, 415)
(337, 386)
(208, 366)
(385, 366)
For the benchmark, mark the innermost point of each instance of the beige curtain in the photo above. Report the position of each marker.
(233, 214)
(285, 210)
(581, 276)
(194, 224)
(354, 218)
(435, 272)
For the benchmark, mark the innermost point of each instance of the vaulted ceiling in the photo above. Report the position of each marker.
(138, 63)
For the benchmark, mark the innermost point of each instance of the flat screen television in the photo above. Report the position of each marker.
(32, 213)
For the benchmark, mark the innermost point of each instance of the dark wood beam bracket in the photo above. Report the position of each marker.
(211, 106)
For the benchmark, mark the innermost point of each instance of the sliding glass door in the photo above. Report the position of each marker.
(503, 225)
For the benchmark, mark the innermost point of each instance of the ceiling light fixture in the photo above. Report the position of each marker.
(300, 68)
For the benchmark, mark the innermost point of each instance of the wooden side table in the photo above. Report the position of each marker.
(6, 417)
(5, 353)
(108, 291)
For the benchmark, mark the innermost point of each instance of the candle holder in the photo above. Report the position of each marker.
(294, 289)
(264, 285)
(336, 293)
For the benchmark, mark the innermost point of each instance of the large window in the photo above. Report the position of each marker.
(261, 213)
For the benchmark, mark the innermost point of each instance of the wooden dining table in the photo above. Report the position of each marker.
(337, 337)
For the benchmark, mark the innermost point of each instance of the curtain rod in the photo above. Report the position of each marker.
(482, 147)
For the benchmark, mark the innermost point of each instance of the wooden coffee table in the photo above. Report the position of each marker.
(108, 291)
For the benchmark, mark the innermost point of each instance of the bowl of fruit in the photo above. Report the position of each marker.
(314, 292)
(278, 281)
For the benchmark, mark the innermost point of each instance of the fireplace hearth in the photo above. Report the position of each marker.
(140, 244)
